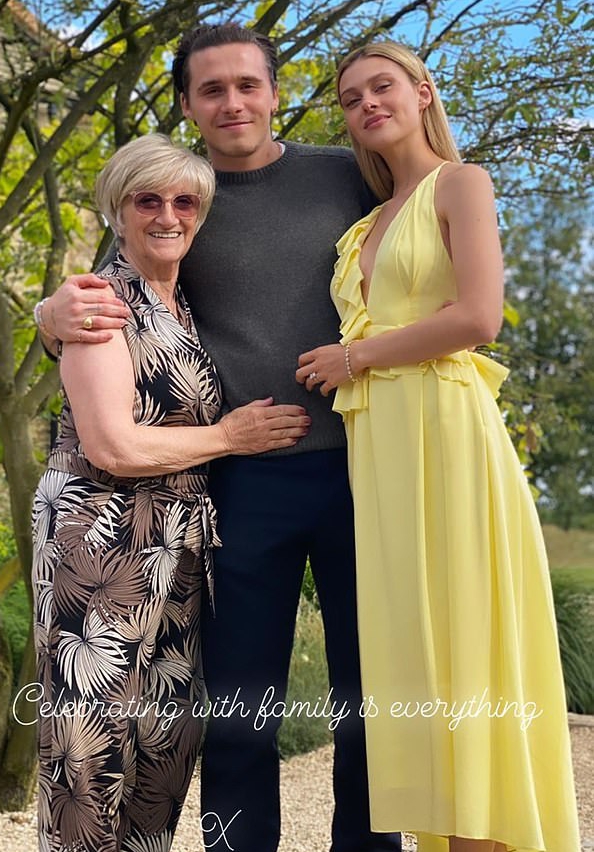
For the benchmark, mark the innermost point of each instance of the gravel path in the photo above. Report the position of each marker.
(307, 803)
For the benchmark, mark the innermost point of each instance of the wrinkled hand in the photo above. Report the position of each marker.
(324, 366)
(82, 296)
(261, 426)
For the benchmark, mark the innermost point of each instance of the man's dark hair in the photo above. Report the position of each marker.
(214, 35)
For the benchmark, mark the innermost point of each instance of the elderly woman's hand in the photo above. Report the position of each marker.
(83, 310)
(261, 426)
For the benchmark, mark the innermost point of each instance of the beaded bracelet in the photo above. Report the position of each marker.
(38, 317)
(347, 359)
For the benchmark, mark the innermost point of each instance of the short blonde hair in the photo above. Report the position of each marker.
(435, 121)
(154, 163)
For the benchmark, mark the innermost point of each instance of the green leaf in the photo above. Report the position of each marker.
(583, 153)
(511, 314)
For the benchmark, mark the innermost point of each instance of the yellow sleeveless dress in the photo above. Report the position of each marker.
(464, 700)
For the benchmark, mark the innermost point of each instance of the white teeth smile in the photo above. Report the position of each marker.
(166, 235)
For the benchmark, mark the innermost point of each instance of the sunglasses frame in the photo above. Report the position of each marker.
(182, 213)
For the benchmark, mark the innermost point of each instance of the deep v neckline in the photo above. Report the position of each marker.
(389, 226)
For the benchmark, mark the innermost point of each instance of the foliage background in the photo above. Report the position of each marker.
(78, 78)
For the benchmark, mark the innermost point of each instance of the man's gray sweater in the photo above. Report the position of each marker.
(257, 276)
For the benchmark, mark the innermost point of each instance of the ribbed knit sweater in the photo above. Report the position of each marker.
(258, 273)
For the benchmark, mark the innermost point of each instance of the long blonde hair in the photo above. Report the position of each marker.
(439, 136)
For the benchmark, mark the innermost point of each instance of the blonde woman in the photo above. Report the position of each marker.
(124, 527)
(466, 727)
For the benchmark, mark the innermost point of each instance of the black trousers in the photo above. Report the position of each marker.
(273, 513)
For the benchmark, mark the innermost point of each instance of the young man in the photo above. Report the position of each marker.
(257, 282)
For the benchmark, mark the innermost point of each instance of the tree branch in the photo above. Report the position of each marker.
(6, 351)
(135, 60)
(271, 16)
(364, 37)
(95, 24)
(448, 28)
(324, 25)
(15, 296)
(15, 111)
(55, 263)
(47, 385)
(86, 102)
(172, 119)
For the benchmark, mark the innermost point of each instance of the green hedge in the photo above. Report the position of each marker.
(574, 610)
(14, 616)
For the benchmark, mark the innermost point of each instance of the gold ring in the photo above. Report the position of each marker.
(88, 323)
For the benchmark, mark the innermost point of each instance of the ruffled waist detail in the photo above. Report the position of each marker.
(461, 367)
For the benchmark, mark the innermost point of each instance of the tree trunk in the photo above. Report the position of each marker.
(6, 671)
(18, 751)
(18, 769)
(22, 473)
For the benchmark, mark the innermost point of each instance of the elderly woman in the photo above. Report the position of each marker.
(123, 527)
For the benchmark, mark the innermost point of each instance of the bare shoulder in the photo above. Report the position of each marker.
(463, 174)
(459, 184)
(115, 347)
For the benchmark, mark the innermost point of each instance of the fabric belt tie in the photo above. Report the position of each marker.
(457, 367)
(200, 534)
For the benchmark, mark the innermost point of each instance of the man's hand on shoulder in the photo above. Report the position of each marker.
(82, 310)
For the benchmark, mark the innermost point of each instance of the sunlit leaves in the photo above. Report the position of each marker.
(511, 315)
(551, 353)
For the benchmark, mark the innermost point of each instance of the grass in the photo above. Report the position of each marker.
(582, 577)
(569, 549)
(571, 556)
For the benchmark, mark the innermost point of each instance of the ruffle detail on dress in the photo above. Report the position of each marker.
(458, 367)
(356, 324)
(345, 288)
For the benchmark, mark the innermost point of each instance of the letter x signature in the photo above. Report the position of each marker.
(217, 825)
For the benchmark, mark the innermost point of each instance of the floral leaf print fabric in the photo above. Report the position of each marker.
(118, 572)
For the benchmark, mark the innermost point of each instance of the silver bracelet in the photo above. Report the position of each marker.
(38, 317)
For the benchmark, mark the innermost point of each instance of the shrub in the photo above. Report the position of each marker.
(574, 608)
(7, 543)
(308, 588)
(308, 681)
(15, 618)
